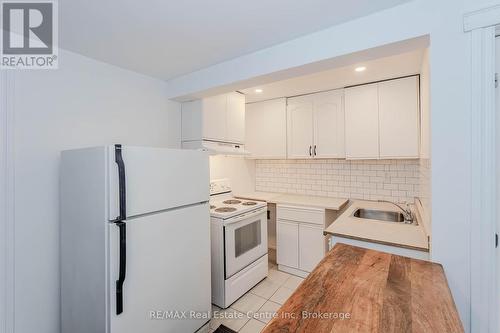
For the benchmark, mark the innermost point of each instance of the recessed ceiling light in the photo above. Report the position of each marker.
(360, 69)
(258, 91)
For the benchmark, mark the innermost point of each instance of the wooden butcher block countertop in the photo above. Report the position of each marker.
(360, 290)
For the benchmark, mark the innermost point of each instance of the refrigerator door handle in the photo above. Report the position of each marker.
(123, 267)
(123, 231)
(121, 184)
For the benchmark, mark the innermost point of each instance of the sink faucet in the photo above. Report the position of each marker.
(407, 213)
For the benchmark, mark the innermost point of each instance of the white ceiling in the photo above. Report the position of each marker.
(165, 38)
(379, 69)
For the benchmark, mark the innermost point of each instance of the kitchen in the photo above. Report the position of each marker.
(311, 158)
(349, 152)
(325, 163)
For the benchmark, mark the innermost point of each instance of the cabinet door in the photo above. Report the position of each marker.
(300, 127)
(265, 129)
(361, 122)
(329, 125)
(214, 117)
(399, 118)
(311, 246)
(236, 117)
(287, 251)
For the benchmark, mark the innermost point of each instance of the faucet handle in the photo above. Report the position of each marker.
(409, 211)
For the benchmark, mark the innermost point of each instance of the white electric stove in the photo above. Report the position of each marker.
(239, 243)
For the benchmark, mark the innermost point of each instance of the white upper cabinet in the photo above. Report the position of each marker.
(328, 125)
(218, 118)
(235, 117)
(265, 134)
(382, 120)
(300, 127)
(316, 126)
(399, 118)
(361, 121)
(214, 117)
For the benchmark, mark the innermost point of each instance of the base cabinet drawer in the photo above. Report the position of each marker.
(301, 214)
(287, 251)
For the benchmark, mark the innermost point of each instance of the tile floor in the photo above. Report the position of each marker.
(253, 310)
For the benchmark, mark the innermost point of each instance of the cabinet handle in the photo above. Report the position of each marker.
(314, 150)
(310, 151)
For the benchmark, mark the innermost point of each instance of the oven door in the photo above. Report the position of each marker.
(245, 240)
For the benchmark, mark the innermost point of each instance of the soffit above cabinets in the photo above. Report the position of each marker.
(166, 39)
(404, 64)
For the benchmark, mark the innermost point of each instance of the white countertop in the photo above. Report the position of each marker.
(390, 233)
(295, 199)
(262, 196)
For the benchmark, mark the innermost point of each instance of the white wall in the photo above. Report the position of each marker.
(450, 71)
(240, 171)
(83, 103)
(425, 144)
(425, 108)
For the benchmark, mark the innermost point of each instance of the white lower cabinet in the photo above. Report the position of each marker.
(311, 246)
(300, 241)
(287, 251)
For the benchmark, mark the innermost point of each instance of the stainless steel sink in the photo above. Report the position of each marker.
(379, 215)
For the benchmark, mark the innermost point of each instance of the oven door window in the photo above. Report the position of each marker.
(247, 237)
(245, 241)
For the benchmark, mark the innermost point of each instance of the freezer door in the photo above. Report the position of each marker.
(157, 179)
(167, 270)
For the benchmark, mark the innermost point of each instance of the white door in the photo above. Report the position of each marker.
(287, 243)
(311, 246)
(214, 118)
(245, 239)
(329, 125)
(157, 179)
(167, 269)
(236, 117)
(497, 100)
(300, 127)
(361, 122)
(399, 118)
(265, 129)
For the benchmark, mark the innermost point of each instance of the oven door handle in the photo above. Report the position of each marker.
(245, 216)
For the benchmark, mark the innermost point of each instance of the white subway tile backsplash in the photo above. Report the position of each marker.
(396, 180)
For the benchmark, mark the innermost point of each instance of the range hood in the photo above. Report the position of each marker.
(216, 147)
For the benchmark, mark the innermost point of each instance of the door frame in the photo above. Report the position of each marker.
(7, 202)
(480, 26)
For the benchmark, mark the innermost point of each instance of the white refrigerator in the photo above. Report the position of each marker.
(135, 240)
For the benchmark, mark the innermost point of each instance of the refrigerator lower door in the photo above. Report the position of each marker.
(167, 277)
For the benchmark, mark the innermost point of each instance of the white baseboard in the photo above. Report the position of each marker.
(293, 271)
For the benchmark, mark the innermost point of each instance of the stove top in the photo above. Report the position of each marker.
(231, 202)
(223, 205)
(225, 208)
